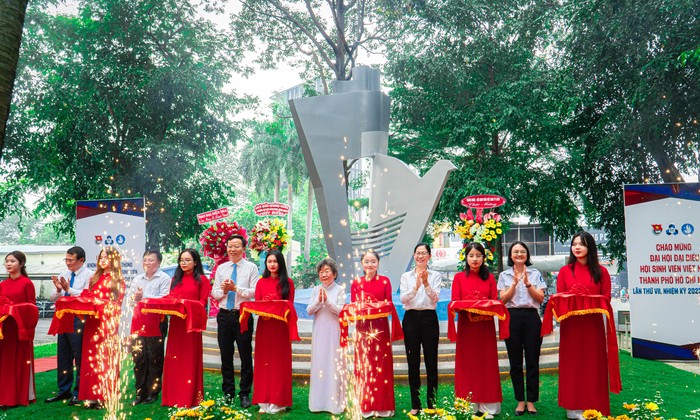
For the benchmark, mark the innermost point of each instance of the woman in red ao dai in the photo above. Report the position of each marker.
(374, 364)
(476, 363)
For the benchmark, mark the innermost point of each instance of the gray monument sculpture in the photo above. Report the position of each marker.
(350, 124)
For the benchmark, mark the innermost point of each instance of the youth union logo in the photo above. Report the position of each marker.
(687, 229)
(657, 229)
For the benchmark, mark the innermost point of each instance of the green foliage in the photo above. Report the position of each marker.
(636, 113)
(30, 231)
(316, 36)
(124, 99)
(304, 272)
(472, 86)
(552, 105)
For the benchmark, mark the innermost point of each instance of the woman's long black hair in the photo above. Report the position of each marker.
(19, 256)
(198, 271)
(283, 284)
(483, 270)
(592, 257)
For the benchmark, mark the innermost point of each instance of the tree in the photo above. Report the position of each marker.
(635, 118)
(124, 99)
(272, 154)
(470, 84)
(328, 34)
(12, 13)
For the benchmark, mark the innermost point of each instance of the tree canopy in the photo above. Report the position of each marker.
(552, 105)
(123, 99)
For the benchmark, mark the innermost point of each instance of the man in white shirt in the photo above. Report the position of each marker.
(70, 282)
(149, 352)
(235, 283)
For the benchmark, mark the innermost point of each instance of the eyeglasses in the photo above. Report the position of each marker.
(520, 252)
(421, 254)
(185, 261)
(70, 260)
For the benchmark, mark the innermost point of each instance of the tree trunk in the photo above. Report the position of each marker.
(309, 221)
(152, 231)
(12, 13)
(277, 188)
(290, 201)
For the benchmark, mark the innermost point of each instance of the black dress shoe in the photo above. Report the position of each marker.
(150, 399)
(94, 405)
(74, 401)
(245, 401)
(519, 413)
(532, 412)
(138, 401)
(59, 397)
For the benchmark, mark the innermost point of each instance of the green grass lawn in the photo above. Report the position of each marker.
(641, 379)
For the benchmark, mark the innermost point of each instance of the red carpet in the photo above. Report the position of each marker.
(45, 364)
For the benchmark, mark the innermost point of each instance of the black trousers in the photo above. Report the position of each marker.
(421, 328)
(148, 354)
(229, 332)
(69, 351)
(525, 326)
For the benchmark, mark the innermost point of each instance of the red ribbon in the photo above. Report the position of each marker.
(564, 305)
(364, 311)
(68, 307)
(25, 314)
(282, 310)
(479, 310)
(192, 311)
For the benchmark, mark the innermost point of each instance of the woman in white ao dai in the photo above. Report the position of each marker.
(327, 384)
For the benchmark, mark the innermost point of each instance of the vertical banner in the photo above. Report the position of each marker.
(663, 262)
(117, 223)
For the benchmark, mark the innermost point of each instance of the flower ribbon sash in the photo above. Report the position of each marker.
(564, 305)
(68, 307)
(282, 310)
(149, 312)
(26, 315)
(478, 311)
(366, 311)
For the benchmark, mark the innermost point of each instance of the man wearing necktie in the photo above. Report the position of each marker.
(70, 282)
(234, 283)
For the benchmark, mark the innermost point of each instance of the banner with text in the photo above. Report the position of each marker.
(663, 262)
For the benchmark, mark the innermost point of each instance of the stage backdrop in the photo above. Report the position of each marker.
(663, 261)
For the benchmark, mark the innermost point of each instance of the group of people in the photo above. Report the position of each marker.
(176, 370)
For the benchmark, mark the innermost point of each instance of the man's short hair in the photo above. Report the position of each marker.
(237, 236)
(77, 251)
(155, 252)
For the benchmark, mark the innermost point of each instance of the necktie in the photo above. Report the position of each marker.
(72, 280)
(231, 297)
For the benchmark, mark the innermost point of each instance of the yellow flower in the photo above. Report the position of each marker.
(207, 403)
(412, 417)
(629, 407)
(591, 414)
(651, 406)
(623, 417)
(499, 231)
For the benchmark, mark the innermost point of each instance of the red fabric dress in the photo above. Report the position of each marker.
(272, 367)
(373, 352)
(476, 363)
(99, 366)
(583, 358)
(183, 381)
(16, 357)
